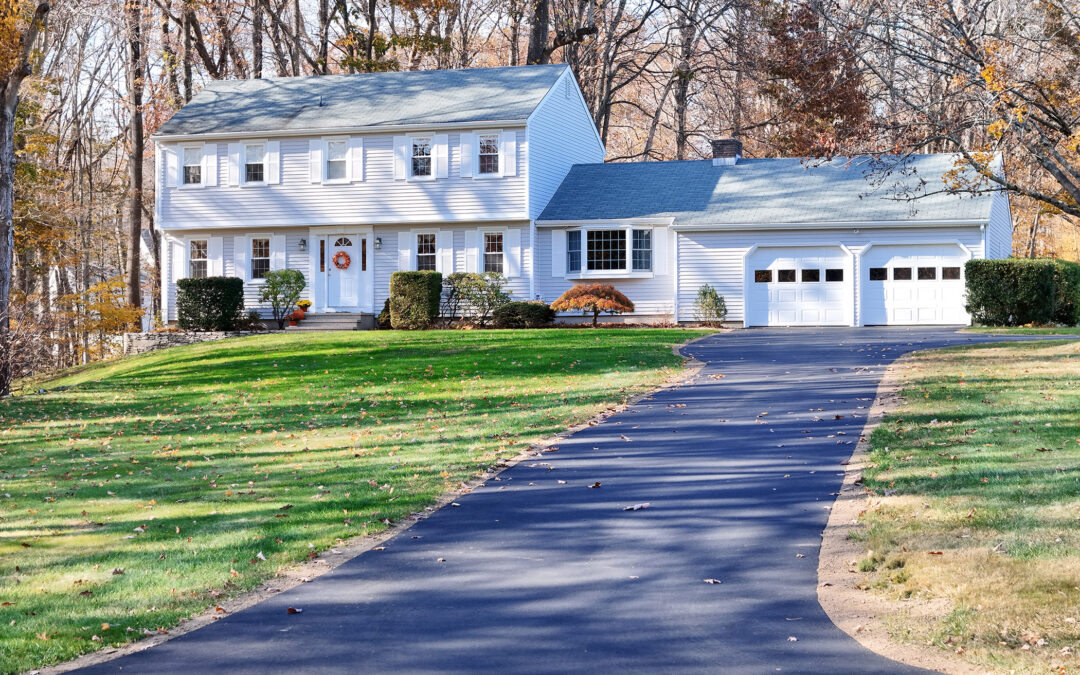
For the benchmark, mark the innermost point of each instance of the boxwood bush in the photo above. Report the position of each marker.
(209, 303)
(414, 299)
(1019, 291)
(523, 314)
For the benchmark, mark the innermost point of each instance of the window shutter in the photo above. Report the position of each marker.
(240, 258)
(444, 243)
(405, 242)
(467, 148)
(277, 252)
(512, 253)
(179, 259)
(401, 159)
(210, 165)
(508, 153)
(234, 164)
(472, 253)
(315, 159)
(172, 167)
(558, 253)
(273, 162)
(660, 239)
(356, 158)
(440, 150)
(213, 254)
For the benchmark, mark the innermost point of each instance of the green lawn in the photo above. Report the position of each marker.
(182, 466)
(1026, 330)
(977, 479)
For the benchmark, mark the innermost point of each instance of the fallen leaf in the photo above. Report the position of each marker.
(712, 581)
(595, 485)
(637, 507)
(294, 610)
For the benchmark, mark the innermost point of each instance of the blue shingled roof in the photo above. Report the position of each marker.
(331, 102)
(766, 191)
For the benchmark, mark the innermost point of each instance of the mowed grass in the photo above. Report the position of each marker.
(977, 479)
(185, 468)
(1025, 330)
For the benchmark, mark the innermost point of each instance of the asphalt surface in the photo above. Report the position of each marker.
(541, 576)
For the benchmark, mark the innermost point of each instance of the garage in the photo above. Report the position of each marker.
(913, 284)
(799, 286)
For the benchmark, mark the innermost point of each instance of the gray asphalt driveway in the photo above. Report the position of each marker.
(541, 575)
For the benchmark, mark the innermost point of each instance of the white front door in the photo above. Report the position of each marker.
(913, 284)
(798, 286)
(343, 272)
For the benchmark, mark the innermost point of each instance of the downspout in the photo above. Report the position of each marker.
(675, 276)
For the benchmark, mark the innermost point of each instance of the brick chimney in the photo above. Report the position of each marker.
(726, 151)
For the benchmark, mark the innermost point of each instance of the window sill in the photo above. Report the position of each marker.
(487, 176)
(610, 274)
(191, 186)
(420, 179)
(337, 181)
(254, 185)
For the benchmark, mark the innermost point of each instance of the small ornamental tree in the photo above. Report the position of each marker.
(282, 289)
(593, 298)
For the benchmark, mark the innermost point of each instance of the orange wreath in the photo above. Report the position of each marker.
(342, 260)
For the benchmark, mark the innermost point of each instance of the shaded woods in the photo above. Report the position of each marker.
(661, 77)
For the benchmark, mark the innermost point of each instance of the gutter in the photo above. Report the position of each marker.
(336, 131)
(871, 224)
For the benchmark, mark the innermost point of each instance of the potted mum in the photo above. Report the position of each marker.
(301, 310)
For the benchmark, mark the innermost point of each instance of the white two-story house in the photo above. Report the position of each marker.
(348, 178)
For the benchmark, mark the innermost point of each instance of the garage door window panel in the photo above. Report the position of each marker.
(950, 273)
(901, 274)
(811, 276)
(879, 274)
(834, 275)
(927, 273)
(785, 276)
(763, 276)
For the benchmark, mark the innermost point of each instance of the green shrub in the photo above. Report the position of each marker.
(414, 299)
(252, 322)
(482, 294)
(452, 296)
(1018, 291)
(710, 305)
(521, 314)
(282, 290)
(209, 303)
(382, 320)
(594, 298)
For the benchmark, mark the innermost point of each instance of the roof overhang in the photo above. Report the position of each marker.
(335, 131)
(607, 221)
(829, 225)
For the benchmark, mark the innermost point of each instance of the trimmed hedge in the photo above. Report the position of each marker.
(414, 299)
(1019, 291)
(209, 303)
(382, 319)
(523, 314)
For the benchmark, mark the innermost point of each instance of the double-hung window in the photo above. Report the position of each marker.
(489, 154)
(197, 258)
(493, 252)
(425, 252)
(193, 166)
(573, 250)
(260, 258)
(641, 241)
(254, 163)
(421, 156)
(336, 154)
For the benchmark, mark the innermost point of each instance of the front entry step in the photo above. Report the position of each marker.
(335, 321)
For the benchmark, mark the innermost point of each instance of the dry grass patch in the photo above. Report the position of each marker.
(976, 506)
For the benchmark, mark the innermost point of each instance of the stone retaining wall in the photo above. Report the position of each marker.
(138, 343)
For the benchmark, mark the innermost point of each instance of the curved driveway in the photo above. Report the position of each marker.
(544, 576)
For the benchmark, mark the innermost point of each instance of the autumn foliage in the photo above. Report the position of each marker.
(595, 298)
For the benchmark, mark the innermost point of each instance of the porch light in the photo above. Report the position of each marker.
(303, 245)
(378, 243)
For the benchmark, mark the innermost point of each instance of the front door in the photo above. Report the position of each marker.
(343, 272)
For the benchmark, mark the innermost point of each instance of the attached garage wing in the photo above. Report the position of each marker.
(799, 286)
(913, 284)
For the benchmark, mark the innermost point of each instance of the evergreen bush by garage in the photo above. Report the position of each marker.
(209, 303)
(414, 299)
(1019, 291)
(523, 314)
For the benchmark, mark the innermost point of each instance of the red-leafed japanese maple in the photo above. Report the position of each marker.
(595, 298)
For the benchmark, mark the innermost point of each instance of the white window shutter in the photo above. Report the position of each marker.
(440, 151)
(660, 238)
(508, 153)
(172, 167)
(234, 164)
(179, 260)
(273, 162)
(512, 253)
(472, 251)
(401, 158)
(240, 258)
(467, 148)
(213, 254)
(277, 252)
(316, 148)
(209, 165)
(444, 244)
(558, 253)
(356, 158)
(405, 242)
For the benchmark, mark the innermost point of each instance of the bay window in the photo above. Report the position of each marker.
(614, 250)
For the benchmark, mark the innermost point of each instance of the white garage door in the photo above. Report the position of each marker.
(913, 284)
(799, 287)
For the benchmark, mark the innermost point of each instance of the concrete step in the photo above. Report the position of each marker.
(335, 321)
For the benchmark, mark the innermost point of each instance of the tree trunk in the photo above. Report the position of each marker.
(256, 39)
(538, 32)
(135, 83)
(324, 35)
(297, 27)
(186, 49)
